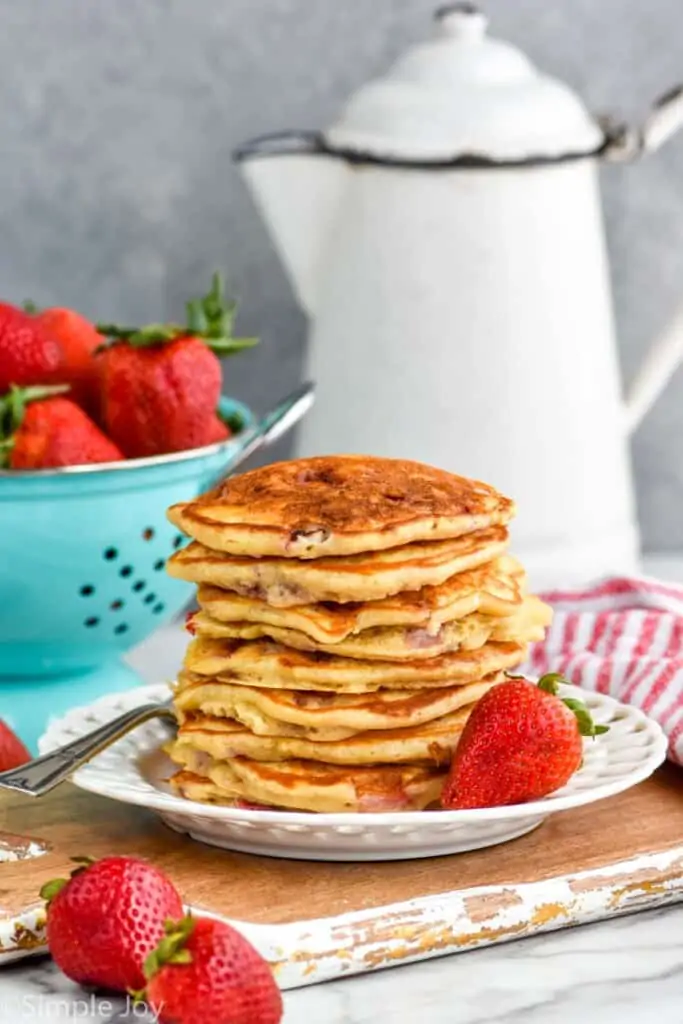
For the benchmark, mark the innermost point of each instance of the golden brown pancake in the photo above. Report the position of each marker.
(366, 577)
(493, 589)
(338, 505)
(397, 643)
(310, 786)
(223, 738)
(265, 663)
(322, 716)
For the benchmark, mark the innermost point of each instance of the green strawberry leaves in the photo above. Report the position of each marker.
(12, 409)
(171, 949)
(550, 683)
(210, 317)
(52, 888)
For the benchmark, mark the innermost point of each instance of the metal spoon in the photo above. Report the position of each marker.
(43, 774)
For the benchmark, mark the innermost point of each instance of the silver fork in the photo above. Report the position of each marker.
(44, 773)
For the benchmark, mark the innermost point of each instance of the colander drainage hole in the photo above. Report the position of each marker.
(126, 570)
(148, 533)
(159, 564)
(116, 605)
(178, 540)
(87, 590)
(138, 586)
(158, 608)
(92, 621)
(110, 554)
(150, 598)
(121, 628)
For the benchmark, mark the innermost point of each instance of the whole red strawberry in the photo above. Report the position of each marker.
(204, 970)
(28, 353)
(12, 751)
(521, 742)
(78, 368)
(161, 384)
(105, 920)
(41, 429)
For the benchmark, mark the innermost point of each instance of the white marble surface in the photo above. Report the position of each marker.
(625, 971)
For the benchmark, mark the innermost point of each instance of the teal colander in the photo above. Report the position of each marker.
(82, 580)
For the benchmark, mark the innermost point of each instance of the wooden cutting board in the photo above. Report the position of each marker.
(316, 921)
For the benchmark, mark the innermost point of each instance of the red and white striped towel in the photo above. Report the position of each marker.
(622, 636)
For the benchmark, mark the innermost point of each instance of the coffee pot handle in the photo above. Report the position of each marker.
(624, 144)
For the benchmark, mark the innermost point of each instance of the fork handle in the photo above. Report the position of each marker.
(44, 773)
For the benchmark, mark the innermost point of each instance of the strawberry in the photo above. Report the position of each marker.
(107, 918)
(28, 353)
(40, 429)
(204, 970)
(12, 751)
(216, 430)
(79, 340)
(161, 383)
(521, 742)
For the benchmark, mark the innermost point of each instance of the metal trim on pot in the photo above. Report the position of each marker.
(312, 143)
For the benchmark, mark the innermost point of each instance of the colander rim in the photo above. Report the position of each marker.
(186, 455)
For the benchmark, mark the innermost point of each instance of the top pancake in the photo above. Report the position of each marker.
(338, 505)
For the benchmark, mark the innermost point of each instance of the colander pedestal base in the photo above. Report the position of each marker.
(27, 704)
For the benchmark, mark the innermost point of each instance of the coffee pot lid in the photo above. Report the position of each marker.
(465, 97)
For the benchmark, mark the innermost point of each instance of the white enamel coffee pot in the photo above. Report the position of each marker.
(445, 237)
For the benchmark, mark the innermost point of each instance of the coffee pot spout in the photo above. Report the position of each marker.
(296, 184)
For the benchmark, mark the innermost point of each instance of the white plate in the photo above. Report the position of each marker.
(133, 771)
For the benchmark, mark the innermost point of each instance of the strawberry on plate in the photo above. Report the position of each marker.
(161, 383)
(521, 742)
(104, 921)
(28, 352)
(40, 428)
(12, 751)
(204, 970)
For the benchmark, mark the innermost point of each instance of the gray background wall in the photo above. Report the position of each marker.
(117, 193)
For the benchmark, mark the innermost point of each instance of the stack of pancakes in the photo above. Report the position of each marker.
(352, 612)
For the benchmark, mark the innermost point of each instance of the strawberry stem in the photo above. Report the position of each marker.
(210, 317)
(550, 683)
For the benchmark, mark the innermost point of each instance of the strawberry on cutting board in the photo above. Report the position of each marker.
(28, 352)
(12, 751)
(204, 970)
(104, 921)
(41, 428)
(521, 742)
(78, 340)
(161, 383)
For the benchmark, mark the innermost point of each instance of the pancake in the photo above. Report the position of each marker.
(265, 663)
(338, 505)
(284, 582)
(493, 589)
(222, 738)
(323, 716)
(309, 786)
(397, 643)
